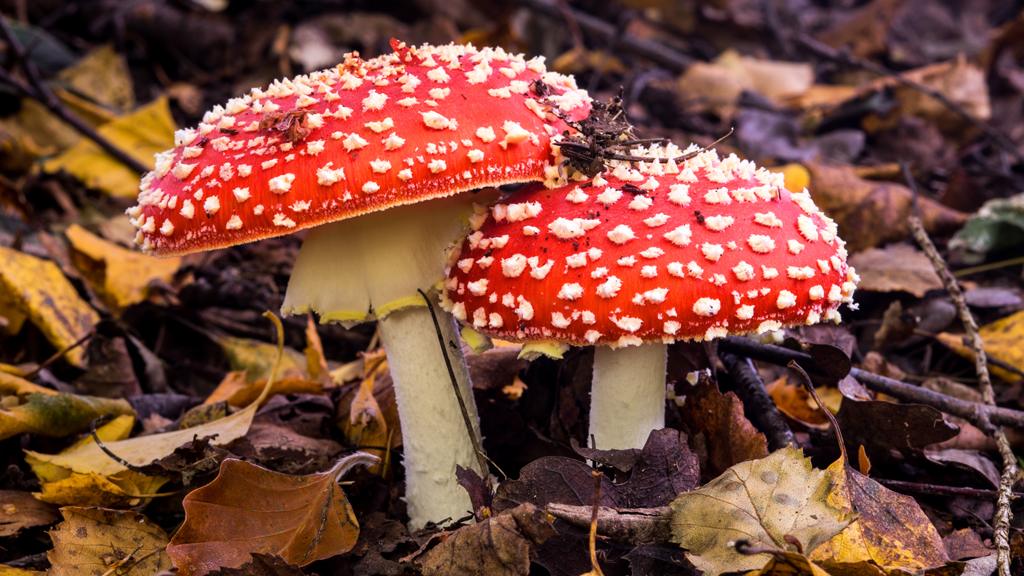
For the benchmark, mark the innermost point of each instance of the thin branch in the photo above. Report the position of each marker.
(481, 457)
(606, 32)
(1003, 513)
(37, 90)
(844, 57)
(977, 413)
(940, 490)
(761, 409)
(806, 380)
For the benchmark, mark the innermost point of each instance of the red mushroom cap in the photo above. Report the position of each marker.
(416, 124)
(652, 252)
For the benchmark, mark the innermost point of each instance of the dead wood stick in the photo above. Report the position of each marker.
(763, 412)
(1003, 513)
(37, 90)
(633, 525)
(977, 413)
(606, 32)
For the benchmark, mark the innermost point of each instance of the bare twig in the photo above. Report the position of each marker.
(806, 380)
(846, 58)
(762, 410)
(940, 490)
(606, 32)
(977, 413)
(37, 90)
(480, 455)
(60, 354)
(633, 525)
(1003, 514)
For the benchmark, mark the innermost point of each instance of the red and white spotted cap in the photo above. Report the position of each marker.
(654, 251)
(419, 123)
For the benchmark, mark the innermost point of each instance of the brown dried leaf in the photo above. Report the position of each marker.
(366, 427)
(248, 509)
(895, 268)
(498, 546)
(99, 542)
(873, 213)
(19, 510)
(890, 531)
(729, 436)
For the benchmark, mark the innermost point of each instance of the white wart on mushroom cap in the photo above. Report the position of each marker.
(419, 123)
(655, 252)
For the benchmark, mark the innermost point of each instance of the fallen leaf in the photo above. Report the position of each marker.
(121, 276)
(316, 362)
(718, 421)
(260, 565)
(872, 213)
(64, 487)
(38, 289)
(718, 84)
(19, 510)
(6, 570)
(257, 358)
(248, 509)
(102, 76)
(366, 428)
(895, 268)
(237, 390)
(100, 542)
(882, 427)
(998, 225)
(142, 133)
(498, 546)
(889, 533)
(765, 502)
(659, 472)
(793, 400)
(1001, 340)
(143, 450)
(56, 415)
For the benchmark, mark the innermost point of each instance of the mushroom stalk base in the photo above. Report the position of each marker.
(627, 397)
(434, 435)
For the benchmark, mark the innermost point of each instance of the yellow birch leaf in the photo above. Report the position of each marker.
(117, 429)
(41, 292)
(99, 542)
(1002, 340)
(889, 534)
(121, 276)
(768, 502)
(143, 133)
(12, 385)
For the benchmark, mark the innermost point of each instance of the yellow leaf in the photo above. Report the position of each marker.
(126, 488)
(117, 429)
(102, 76)
(316, 362)
(17, 386)
(143, 133)
(256, 358)
(1001, 339)
(366, 426)
(56, 415)
(38, 289)
(766, 502)
(98, 542)
(119, 275)
(890, 532)
(719, 84)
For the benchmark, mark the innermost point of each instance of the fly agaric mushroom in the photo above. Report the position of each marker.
(642, 256)
(389, 134)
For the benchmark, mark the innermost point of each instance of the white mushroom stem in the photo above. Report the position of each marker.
(376, 263)
(627, 396)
